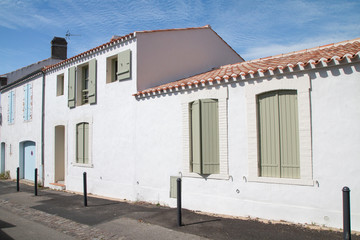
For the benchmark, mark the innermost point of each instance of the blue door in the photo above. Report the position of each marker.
(29, 160)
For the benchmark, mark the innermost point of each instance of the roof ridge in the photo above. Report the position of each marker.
(173, 29)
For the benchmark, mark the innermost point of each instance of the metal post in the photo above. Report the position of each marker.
(346, 213)
(85, 190)
(18, 179)
(179, 218)
(35, 181)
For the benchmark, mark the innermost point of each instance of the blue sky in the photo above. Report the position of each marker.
(253, 28)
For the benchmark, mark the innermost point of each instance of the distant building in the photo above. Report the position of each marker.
(274, 138)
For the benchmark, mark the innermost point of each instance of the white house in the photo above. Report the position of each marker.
(274, 138)
(21, 113)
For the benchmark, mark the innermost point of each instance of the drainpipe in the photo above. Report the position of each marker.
(43, 128)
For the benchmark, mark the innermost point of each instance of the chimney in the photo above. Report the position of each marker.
(59, 48)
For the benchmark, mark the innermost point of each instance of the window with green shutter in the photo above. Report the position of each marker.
(204, 136)
(82, 143)
(118, 67)
(71, 87)
(278, 133)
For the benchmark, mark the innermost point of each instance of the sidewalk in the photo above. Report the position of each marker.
(106, 219)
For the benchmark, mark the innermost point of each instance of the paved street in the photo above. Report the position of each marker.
(61, 215)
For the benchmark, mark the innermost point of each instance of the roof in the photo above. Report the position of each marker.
(297, 60)
(115, 40)
(112, 42)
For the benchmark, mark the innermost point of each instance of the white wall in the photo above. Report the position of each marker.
(20, 130)
(335, 141)
(168, 56)
(138, 144)
(112, 126)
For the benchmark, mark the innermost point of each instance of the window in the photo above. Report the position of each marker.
(60, 85)
(27, 105)
(278, 134)
(279, 130)
(118, 67)
(82, 84)
(213, 103)
(82, 143)
(11, 107)
(204, 136)
(85, 84)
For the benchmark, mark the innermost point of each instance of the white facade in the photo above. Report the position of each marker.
(17, 132)
(137, 143)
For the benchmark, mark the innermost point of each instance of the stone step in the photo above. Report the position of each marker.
(57, 186)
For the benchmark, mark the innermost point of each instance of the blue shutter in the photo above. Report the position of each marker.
(30, 102)
(9, 108)
(13, 107)
(27, 102)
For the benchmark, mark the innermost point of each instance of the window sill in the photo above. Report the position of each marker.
(86, 165)
(211, 176)
(288, 181)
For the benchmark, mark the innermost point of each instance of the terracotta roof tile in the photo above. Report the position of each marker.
(326, 53)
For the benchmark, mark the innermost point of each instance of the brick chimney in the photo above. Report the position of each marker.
(59, 48)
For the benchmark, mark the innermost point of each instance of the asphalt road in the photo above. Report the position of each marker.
(64, 213)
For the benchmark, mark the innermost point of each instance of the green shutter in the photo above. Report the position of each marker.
(71, 87)
(269, 138)
(80, 143)
(279, 134)
(92, 81)
(86, 143)
(289, 134)
(124, 65)
(209, 136)
(195, 137)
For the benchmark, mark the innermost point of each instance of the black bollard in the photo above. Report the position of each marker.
(18, 179)
(179, 217)
(35, 180)
(85, 190)
(346, 213)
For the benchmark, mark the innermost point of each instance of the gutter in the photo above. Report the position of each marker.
(43, 128)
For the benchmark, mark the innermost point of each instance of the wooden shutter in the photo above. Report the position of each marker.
(10, 107)
(92, 81)
(124, 65)
(269, 139)
(30, 101)
(25, 103)
(80, 143)
(289, 134)
(86, 143)
(209, 136)
(71, 87)
(195, 137)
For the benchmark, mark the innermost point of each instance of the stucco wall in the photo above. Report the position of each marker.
(19, 131)
(111, 122)
(172, 55)
(334, 141)
(137, 144)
